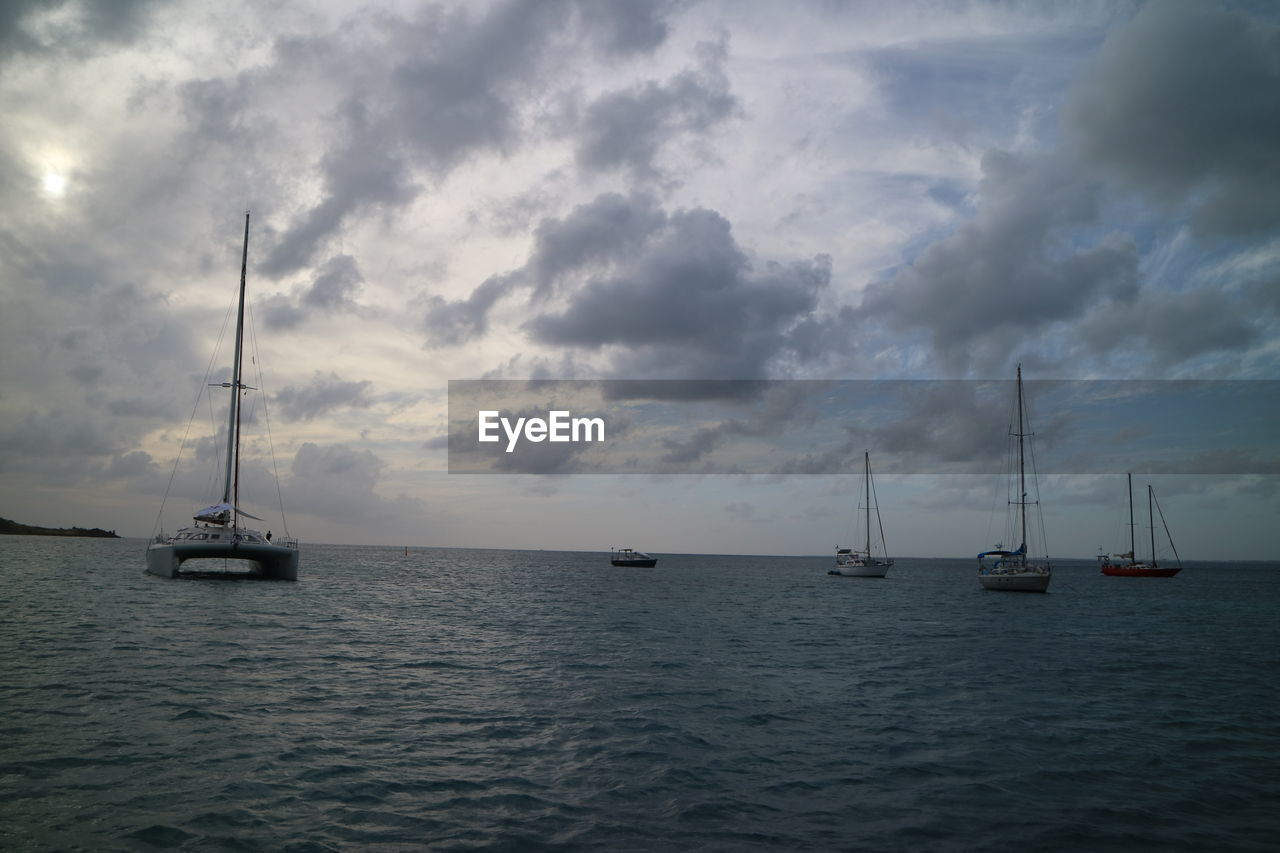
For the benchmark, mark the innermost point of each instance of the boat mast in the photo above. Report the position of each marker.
(1151, 518)
(866, 459)
(1133, 557)
(232, 490)
(1022, 471)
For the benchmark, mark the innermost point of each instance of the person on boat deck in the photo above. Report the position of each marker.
(268, 535)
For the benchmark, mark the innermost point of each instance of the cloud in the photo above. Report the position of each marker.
(773, 407)
(334, 288)
(365, 170)
(326, 393)
(450, 85)
(449, 323)
(689, 304)
(1013, 270)
(1174, 327)
(134, 465)
(1036, 273)
(339, 482)
(1204, 132)
(75, 27)
(609, 229)
(627, 27)
(649, 286)
(627, 130)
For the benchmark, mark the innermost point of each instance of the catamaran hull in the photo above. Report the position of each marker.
(273, 562)
(1016, 581)
(635, 564)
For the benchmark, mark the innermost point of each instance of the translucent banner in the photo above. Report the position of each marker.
(823, 427)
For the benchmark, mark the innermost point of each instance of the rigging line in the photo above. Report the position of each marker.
(266, 417)
(875, 498)
(1166, 530)
(215, 420)
(1035, 482)
(190, 420)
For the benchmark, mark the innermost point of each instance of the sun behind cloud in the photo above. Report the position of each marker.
(54, 184)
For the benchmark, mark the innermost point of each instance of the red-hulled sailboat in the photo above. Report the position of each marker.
(1134, 569)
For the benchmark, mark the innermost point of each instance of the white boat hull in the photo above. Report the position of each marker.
(875, 570)
(272, 562)
(1015, 581)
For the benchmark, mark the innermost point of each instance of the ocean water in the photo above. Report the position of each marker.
(501, 700)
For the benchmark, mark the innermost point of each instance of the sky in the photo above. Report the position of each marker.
(614, 190)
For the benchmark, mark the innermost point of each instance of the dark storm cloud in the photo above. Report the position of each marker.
(1015, 269)
(326, 393)
(452, 323)
(611, 228)
(454, 92)
(1174, 327)
(674, 295)
(75, 27)
(87, 342)
(334, 288)
(947, 421)
(131, 465)
(357, 469)
(336, 285)
(772, 407)
(55, 432)
(1032, 262)
(448, 86)
(591, 238)
(627, 130)
(214, 108)
(691, 304)
(688, 389)
(1184, 104)
(365, 170)
(338, 482)
(628, 27)
(281, 312)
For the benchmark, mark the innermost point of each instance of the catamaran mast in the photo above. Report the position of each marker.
(231, 493)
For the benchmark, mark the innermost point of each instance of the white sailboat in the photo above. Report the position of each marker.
(1017, 570)
(852, 563)
(218, 532)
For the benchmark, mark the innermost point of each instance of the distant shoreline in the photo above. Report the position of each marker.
(13, 528)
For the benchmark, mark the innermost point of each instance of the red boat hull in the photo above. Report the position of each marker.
(1137, 571)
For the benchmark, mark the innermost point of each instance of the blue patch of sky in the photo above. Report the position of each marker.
(956, 195)
(982, 86)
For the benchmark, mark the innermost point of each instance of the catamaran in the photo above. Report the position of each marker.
(1015, 570)
(1134, 569)
(218, 532)
(852, 563)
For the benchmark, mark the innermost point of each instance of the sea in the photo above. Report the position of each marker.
(467, 700)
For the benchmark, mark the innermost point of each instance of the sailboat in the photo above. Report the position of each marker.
(1134, 569)
(852, 563)
(218, 532)
(1014, 570)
